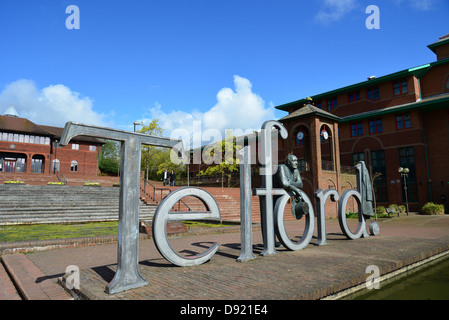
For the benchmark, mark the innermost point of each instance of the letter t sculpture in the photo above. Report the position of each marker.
(127, 275)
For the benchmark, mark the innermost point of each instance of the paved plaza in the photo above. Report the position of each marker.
(313, 273)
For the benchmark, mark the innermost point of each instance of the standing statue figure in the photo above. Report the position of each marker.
(365, 189)
(288, 178)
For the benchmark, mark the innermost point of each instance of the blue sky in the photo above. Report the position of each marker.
(224, 63)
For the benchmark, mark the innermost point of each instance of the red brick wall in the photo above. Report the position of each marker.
(433, 82)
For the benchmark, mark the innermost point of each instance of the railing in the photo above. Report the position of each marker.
(156, 190)
(61, 177)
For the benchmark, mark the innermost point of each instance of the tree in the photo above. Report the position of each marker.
(224, 153)
(109, 158)
(154, 160)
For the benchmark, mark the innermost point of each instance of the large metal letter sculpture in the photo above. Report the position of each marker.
(266, 191)
(163, 214)
(245, 205)
(279, 222)
(321, 198)
(127, 275)
(363, 196)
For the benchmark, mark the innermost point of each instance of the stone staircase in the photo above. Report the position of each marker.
(31, 204)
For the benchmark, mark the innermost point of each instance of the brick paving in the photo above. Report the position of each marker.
(312, 273)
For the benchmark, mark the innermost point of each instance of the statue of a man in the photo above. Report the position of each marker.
(288, 178)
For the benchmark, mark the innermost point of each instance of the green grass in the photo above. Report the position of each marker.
(56, 231)
(202, 224)
(15, 233)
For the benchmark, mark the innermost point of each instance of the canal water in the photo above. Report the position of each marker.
(427, 282)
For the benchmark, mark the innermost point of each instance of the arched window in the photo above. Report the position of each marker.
(37, 164)
(326, 148)
(55, 165)
(74, 166)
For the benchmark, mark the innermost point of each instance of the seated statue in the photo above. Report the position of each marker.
(288, 178)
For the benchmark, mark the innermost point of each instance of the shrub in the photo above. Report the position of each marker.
(92, 184)
(14, 182)
(431, 208)
(380, 210)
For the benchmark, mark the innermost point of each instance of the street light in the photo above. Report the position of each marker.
(404, 173)
(136, 123)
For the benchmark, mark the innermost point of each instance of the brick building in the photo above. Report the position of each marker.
(397, 120)
(28, 149)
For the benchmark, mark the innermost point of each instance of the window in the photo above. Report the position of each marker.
(353, 96)
(403, 121)
(75, 146)
(74, 166)
(318, 104)
(92, 148)
(379, 172)
(331, 103)
(400, 87)
(356, 129)
(407, 160)
(356, 157)
(375, 126)
(37, 164)
(372, 93)
(23, 138)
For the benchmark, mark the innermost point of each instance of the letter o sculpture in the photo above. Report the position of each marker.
(280, 227)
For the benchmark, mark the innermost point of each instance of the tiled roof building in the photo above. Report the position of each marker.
(397, 120)
(30, 149)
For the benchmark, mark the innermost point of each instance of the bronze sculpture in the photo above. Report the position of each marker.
(288, 178)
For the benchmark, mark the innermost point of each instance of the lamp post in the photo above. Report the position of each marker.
(136, 123)
(404, 173)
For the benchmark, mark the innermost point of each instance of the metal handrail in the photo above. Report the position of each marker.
(161, 189)
(61, 177)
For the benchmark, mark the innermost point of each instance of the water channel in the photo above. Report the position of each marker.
(427, 282)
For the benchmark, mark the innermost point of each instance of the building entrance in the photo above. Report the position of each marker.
(10, 162)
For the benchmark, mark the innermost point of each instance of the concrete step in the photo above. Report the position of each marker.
(7, 289)
(30, 281)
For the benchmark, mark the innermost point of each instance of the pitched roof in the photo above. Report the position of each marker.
(57, 132)
(22, 125)
(25, 126)
(308, 110)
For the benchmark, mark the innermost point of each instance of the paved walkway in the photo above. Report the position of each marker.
(312, 273)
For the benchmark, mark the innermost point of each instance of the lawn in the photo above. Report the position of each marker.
(14, 233)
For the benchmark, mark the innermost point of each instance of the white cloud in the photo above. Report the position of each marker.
(53, 105)
(334, 10)
(238, 108)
